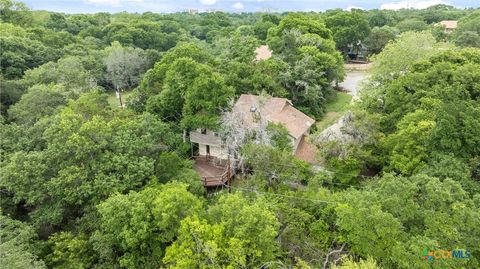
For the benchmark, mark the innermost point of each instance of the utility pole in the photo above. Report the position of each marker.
(228, 174)
(119, 96)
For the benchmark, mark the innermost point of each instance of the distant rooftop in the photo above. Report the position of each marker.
(263, 53)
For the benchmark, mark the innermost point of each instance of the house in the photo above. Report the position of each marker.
(208, 146)
(449, 26)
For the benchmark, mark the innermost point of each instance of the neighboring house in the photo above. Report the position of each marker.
(262, 53)
(357, 52)
(449, 26)
(250, 108)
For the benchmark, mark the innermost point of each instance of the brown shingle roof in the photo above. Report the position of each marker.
(273, 109)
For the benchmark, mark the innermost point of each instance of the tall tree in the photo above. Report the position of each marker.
(89, 154)
(379, 38)
(236, 234)
(18, 245)
(415, 25)
(349, 29)
(313, 63)
(125, 66)
(202, 108)
(15, 12)
(409, 46)
(468, 32)
(38, 102)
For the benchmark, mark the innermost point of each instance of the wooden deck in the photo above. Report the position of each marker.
(211, 175)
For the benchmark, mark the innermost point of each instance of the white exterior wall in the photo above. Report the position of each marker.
(218, 152)
(202, 150)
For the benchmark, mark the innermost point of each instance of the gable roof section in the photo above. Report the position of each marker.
(273, 109)
(296, 122)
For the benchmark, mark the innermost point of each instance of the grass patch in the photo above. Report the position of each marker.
(338, 102)
(113, 100)
(337, 106)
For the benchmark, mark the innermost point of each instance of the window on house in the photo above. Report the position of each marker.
(204, 131)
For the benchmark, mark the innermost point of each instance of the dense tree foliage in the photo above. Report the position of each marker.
(39, 101)
(468, 32)
(416, 25)
(18, 247)
(140, 225)
(307, 50)
(125, 66)
(21, 53)
(235, 233)
(410, 47)
(349, 28)
(86, 154)
(379, 38)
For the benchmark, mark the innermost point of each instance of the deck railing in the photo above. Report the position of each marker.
(219, 180)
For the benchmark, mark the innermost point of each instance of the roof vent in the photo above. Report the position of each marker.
(253, 108)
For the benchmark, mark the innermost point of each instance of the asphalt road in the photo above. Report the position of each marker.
(352, 82)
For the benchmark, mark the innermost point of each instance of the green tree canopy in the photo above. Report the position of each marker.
(306, 45)
(468, 32)
(379, 38)
(349, 28)
(88, 155)
(18, 245)
(38, 102)
(125, 66)
(154, 78)
(237, 233)
(142, 224)
(415, 25)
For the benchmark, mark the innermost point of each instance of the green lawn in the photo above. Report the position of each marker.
(113, 100)
(335, 109)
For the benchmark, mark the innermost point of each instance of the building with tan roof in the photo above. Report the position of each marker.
(253, 110)
(449, 26)
(275, 110)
